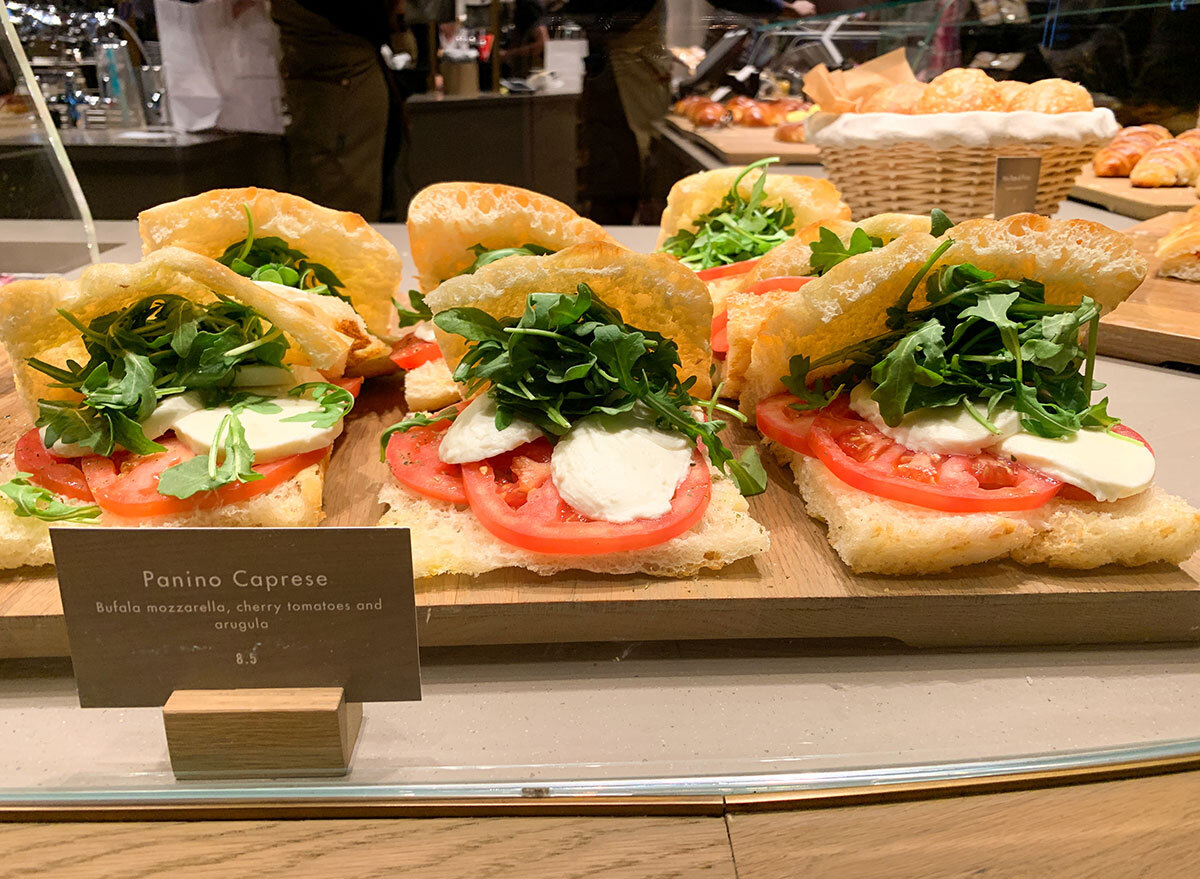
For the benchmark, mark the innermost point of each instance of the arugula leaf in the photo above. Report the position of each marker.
(156, 347)
(335, 404)
(484, 257)
(420, 311)
(917, 359)
(271, 259)
(939, 223)
(34, 502)
(828, 251)
(570, 355)
(416, 419)
(204, 473)
(735, 230)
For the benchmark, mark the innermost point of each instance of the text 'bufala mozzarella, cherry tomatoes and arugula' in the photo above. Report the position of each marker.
(180, 406)
(980, 400)
(582, 439)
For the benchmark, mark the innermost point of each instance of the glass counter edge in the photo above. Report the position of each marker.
(1045, 766)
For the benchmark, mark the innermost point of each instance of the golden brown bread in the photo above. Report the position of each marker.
(1009, 89)
(30, 325)
(1192, 135)
(430, 387)
(651, 291)
(1170, 163)
(1179, 249)
(961, 90)
(363, 260)
(901, 97)
(446, 220)
(792, 132)
(1124, 151)
(1072, 258)
(1052, 96)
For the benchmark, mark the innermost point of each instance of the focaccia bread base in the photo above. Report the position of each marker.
(430, 387)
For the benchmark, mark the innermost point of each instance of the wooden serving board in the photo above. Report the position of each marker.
(1160, 322)
(1117, 194)
(738, 145)
(797, 589)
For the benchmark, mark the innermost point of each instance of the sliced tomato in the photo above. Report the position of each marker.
(780, 282)
(410, 352)
(778, 421)
(413, 457)
(862, 457)
(727, 271)
(60, 475)
(514, 497)
(353, 384)
(127, 485)
(720, 324)
(1075, 493)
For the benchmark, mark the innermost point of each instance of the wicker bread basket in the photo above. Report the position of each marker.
(911, 173)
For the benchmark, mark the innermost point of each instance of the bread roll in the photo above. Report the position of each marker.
(899, 98)
(792, 132)
(961, 90)
(1009, 89)
(1053, 96)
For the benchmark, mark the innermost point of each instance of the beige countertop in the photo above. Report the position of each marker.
(543, 714)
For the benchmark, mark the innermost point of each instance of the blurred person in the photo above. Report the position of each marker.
(338, 98)
(526, 46)
(626, 88)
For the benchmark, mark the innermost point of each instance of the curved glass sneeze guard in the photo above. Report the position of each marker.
(36, 179)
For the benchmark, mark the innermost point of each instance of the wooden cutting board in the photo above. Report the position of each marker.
(1160, 322)
(797, 589)
(738, 145)
(1117, 194)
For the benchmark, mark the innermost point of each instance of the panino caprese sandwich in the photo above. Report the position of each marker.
(937, 403)
(721, 223)
(332, 263)
(810, 253)
(590, 442)
(456, 229)
(169, 392)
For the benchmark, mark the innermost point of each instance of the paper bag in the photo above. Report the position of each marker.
(221, 72)
(844, 91)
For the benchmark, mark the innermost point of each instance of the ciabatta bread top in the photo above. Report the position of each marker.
(446, 220)
(811, 199)
(849, 303)
(363, 260)
(651, 291)
(30, 325)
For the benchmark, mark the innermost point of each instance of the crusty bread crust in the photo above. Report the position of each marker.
(810, 198)
(30, 325)
(430, 387)
(1073, 258)
(362, 259)
(1179, 249)
(449, 540)
(876, 535)
(651, 291)
(446, 220)
(293, 504)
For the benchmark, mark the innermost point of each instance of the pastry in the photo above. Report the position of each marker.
(1126, 149)
(960, 90)
(1052, 96)
(1170, 163)
(790, 132)
(1009, 89)
(899, 98)
(1179, 249)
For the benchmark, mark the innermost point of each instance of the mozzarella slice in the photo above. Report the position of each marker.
(156, 424)
(946, 429)
(266, 433)
(473, 436)
(619, 468)
(1109, 467)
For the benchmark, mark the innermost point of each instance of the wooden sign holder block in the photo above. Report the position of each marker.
(267, 733)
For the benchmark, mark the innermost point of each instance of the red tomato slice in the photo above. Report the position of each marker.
(410, 352)
(514, 497)
(413, 457)
(127, 485)
(778, 421)
(720, 335)
(59, 475)
(866, 459)
(780, 282)
(351, 384)
(727, 271)
(1075, 493)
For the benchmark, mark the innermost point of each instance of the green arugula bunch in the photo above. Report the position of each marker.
(737, 229)
(419, 310)
(484, 257)
(34, 502)
(271, 259)
(978, 338)
(569, 356)
(159, 346)
(828, 251)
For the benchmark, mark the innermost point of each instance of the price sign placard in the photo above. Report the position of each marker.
(1016, 185)
(152, 610)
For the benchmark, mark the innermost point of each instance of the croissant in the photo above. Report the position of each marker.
(1171, 163)
(1179, 249)
(1159, 130)
(1126, 150)
(1192, 135)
